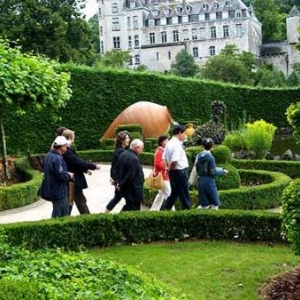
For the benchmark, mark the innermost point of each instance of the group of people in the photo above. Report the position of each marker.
(62, 165)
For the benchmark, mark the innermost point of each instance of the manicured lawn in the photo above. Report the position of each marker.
(208, 270)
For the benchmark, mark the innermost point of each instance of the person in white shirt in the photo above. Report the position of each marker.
(177, 164)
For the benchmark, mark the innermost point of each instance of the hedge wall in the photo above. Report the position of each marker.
(100, 95)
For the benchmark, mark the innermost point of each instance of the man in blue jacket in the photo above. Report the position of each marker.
(56, 177)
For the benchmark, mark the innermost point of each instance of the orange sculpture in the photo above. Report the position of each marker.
(155, 119)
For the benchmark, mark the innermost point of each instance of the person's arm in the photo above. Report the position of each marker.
(81, 165)
(158, 161)
(133, 169)
(61, 174)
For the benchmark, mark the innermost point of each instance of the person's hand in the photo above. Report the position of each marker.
(112, 182)
(226, 171)
(71, 175)
(98, 167)
(118, 187)
(89, 172)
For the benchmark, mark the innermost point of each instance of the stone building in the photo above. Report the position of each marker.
(154, 31)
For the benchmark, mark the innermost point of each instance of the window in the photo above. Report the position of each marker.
(135, 22)
(115, 24)
(129, 42)
(151, 23)
(202, 33)
(130, 60)
(128, 22)
(238, 30)
(101, 30)
(194, 34)
(207, 16)
(185, 19)
(99, 13)
(114, 7)
(169, 55)
(137, 59)
(163, 36)
(213, 32)
(136, 41)
(195, 52)
(212, 50)
(169, 21)
(194, 18)
(157, 55)
(185, 34)
(116, 42)
(219, 15)
(152, 37)
(101, 48)
(238, 14)
(175, 36)
(225, 31)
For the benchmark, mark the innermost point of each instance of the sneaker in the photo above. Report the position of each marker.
(203, 207)
(215, 207)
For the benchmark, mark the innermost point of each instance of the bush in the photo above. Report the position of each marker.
(291, 214)
(235, 140)
(259, 137)
(230, 181)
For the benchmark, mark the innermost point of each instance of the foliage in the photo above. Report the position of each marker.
(235, 140)
(269, 76)
(294, 78)
(53, 28)
(59, 275)
(230, 66)
(291, 214)
(293, 117)
(259, 137)
(94, 25)
(114, 58)
(28, 81)
(184, 65)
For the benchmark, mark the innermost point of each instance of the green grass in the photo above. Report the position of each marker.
(210, 270)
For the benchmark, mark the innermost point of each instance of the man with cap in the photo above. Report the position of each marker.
(56, 177)
(176, 161)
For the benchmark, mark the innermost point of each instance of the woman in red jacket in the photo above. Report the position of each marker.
(159, 166)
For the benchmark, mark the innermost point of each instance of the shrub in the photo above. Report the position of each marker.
(231, 181)
(259, 137)
(291, 214)
(236, 140)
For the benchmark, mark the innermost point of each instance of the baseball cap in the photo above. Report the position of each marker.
(60, 141)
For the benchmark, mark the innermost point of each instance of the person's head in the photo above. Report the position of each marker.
(208, 143)
(60, 144)
(179, 132)
(162, 141)
(122, 139)
(137, 146)
(59, 131)
(69, 135)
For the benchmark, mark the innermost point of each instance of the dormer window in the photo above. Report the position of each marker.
(227, 3)
(238, 14)
(167, 11)
(178, 9)
(205, 6)
(151, 23)
(216, 5)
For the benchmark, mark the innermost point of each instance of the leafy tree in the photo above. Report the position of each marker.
(184, 65)
(268, 75)
(54, 28)
(294, 78)
(115, 58)
(28, 81)
(94, 24)
(230, 66)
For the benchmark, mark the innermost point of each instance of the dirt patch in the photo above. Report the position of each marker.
(284, 286)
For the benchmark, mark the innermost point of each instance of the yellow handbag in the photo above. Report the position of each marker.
(155, 182)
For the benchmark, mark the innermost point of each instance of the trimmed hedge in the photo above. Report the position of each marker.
(21, 194)
(131, 227)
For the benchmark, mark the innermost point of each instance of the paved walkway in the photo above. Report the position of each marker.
(98, 194)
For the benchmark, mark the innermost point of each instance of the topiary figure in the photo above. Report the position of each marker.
(214, 128)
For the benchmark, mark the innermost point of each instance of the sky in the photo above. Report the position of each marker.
(90, 8)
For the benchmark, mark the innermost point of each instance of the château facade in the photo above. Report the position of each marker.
(154, 31)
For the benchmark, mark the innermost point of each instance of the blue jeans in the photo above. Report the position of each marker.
(179, 188)
(208, 193)
(60, 208)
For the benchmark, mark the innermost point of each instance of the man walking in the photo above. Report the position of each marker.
(177, 164)
(131, 176)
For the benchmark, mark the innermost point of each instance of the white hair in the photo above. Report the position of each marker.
(136, 143)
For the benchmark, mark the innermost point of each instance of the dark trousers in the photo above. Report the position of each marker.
(115, 200)
(80, 202)
(179, 189)
(60, 208)
(133, 197)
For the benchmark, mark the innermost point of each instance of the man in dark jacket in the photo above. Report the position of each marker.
(131, 176)
(77, 166)
(56, 177)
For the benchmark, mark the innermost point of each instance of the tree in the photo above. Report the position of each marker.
(184, 65)
(54, 28)
(115, 58)
(268, 75)
(28, 81)
(230, 66)
(94, 24)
